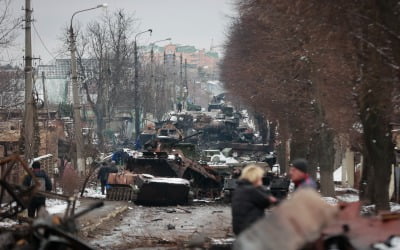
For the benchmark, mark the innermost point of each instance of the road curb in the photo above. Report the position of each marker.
(87, 228)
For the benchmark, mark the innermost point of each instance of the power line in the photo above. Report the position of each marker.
(41, 41)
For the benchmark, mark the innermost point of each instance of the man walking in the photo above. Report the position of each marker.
(179, 107)
(103, 174)
(37, 201)
(298, 173)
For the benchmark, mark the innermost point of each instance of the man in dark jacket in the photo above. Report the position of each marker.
(37, 201)
(249, 199)
(113, 168)
(179, 107)
(102, 175)
(298, 173)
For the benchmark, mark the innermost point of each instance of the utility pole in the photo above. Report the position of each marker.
(75, 95)
(152, 83)
(185, 86)
(194, 91)
(164, 80)
(151, 65)
(76, 103)
(29, 109)
(174, 79)
(136, 92)
(45, 104)
(180, 78)
(136, 85)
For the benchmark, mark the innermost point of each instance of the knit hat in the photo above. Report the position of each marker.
(36, 165)
(300, 164)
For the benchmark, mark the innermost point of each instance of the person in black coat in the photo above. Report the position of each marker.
(102, 176)
(249, 199)
(37, 201)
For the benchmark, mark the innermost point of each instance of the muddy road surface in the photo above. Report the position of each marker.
(139, 227)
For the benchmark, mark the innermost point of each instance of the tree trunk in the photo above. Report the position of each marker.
(262, 127)
(326, 162)
(376, 106)
(298, 147)
(271, 130)
(281, 154)
(380, 157)
(101, 126)
(36, 133)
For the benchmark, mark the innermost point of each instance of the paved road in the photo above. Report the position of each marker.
(163, 227)
(95, 217)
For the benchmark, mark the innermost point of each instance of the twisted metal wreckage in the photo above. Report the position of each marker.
(307, 222)
(46, 231)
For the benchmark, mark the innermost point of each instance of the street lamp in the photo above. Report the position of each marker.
(136, 85)
(152, 47)
(75, 87)
(151, 68)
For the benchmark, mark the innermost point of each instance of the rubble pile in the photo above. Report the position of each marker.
(46, 231)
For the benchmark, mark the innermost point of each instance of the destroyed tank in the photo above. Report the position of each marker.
(145, 189)
(175, 164)
(169, 173)
(168, 133)
(121, 186)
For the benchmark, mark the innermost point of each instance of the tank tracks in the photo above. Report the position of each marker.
(126, 193)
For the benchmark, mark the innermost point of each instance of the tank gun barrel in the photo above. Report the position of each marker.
(187, 137)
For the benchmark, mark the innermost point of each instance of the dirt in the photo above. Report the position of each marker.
(163, 227)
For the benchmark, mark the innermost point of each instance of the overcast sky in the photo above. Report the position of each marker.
(192, 22)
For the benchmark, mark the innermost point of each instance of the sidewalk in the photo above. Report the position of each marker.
(94, 218)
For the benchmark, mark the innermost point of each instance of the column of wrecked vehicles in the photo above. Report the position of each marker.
(189, 155)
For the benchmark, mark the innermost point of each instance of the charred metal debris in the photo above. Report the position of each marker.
(44, 232)
(196, 154)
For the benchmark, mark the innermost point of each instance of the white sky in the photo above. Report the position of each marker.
(192, 22)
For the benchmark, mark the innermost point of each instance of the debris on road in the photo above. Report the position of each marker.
(170, 227)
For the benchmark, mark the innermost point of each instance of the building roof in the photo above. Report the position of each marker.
(212, 54)
(186, 49)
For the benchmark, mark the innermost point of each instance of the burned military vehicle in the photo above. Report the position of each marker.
(219, 130)
(168, 133)
(193, 107)
(45, 231)
(163, 191)
(149, 172)
(217, 102)
(276, 185)
(145, 189)
(176, 165)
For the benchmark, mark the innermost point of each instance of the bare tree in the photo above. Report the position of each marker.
(320, 68)
(107, 81)
(8, 24)
(12, 87)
